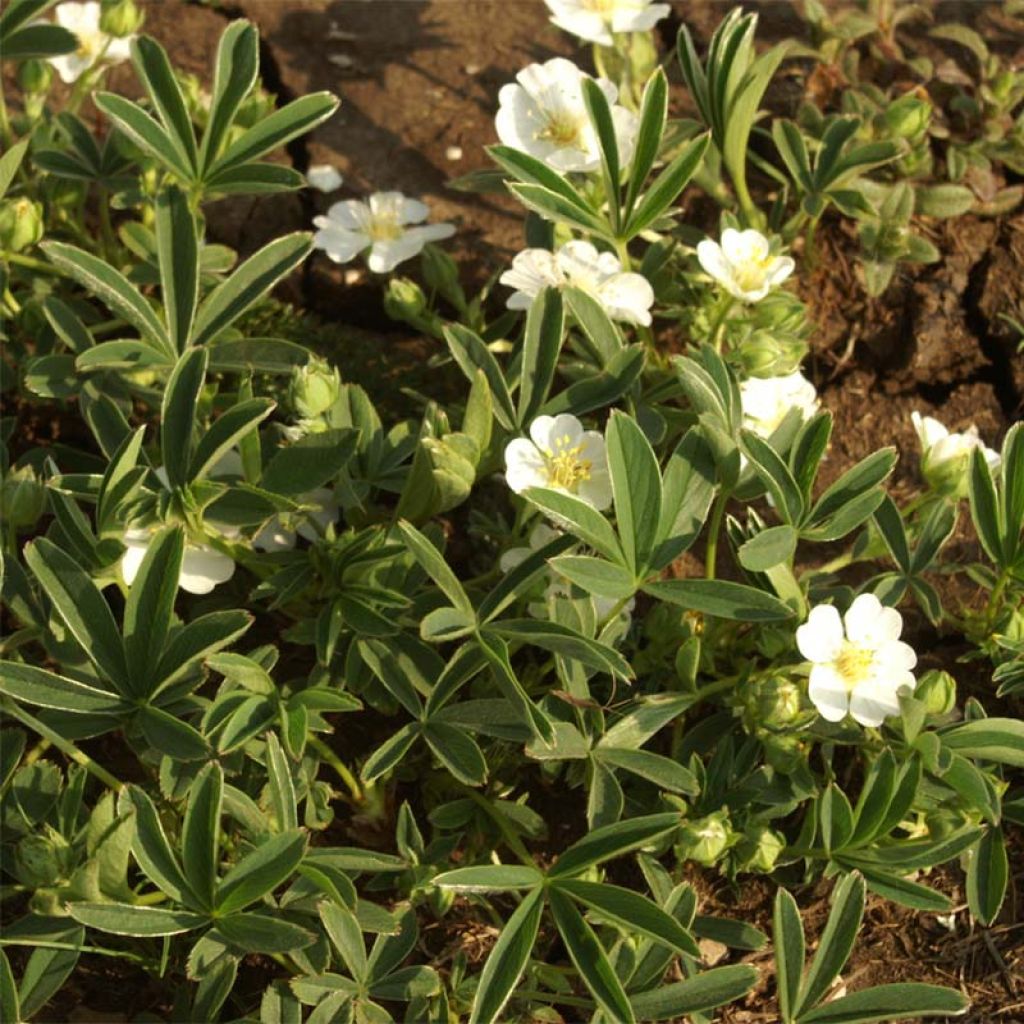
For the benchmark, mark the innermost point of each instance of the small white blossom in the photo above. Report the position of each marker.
(859, 670)
(277, 533)
(625, 296)
(389, 225)
(560, 455)
(543, 114)
(767, 400)
(743, 264)
(595, 21)
(202, 567)
(83, 19)
(945, 457)
(324, 178)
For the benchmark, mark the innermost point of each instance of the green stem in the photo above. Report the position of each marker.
(714, 529)
(30, 263)
(810, 246)
(725, 306)
(751, 214)
(554, 998)
(622, 251)
(6, 136)
(994, 600)
(67, 748)
(338, 765)
(109, 240)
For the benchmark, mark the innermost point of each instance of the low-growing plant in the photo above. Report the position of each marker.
(281, 674)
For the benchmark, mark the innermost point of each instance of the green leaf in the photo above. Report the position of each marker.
(178, 260)
(721, 598)
(9, 164)
(48, 969)
(390, 752)
(556, 207)
(111, 287)
(81, 606)
(144, 131)
(596, 576)
(200, 834)
(433, 564)
(199, 638)
(985, 510)
(667, 186)
(788, 937)
(496, 651)
(600, 114)
(142, 922)
(153, 851)
(235, 69)
(988, 875)
(836, 942)
(612, 841)
(1013, 494)
(703, 992)
(836, 818)
(900, 890)
(770, 466)
(48, 690)
(149, 607)
(346, 936)
(457, 751)
(260, 872)
(590, 958)
(653, 111)
(178, 415)
(310, 462)
(662, 771)
(248, 284)
(277, 129)
(988, 739)
(578, 517)
(167, 734)
(470, 351)
(42, 40)
(631, 912)
(545, 329)
(889, 1002)
(156, 73)
(769, 548)
(598, 328)
(255, 179)
(261, 933)
(508, 960)
(636, 486)
(490, 878)
(10, 1008)
(865, 476)
(226, 432)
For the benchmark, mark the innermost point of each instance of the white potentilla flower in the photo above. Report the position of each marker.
(743, 264)
(624, 296)
(324, 178)
(543, 114)
(83, 19)
(860, 669)
(560, 455)
(277, 533)
(595, 21)
(388, 224)
(202, 567)
(945, 457)
(767, 400)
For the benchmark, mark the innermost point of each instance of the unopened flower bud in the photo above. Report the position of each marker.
(759, 849)
(21, 224)
(774, 704)
(404, 299)
(759, 354)
(314, 388)
(937, 691)
(706, 839)
(22, 497)
(37, 861)
(908, 116)
(120, 17)
(35, 77)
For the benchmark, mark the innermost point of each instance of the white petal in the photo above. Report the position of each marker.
(628, 297)
(872, 702)
(820, 638)
(551, 433)
(274, 537)
(525, 465)
(712, 260)
(929, 430)
(430, 233)
(780, 269)
(828, 693)
(340, 245)
(868, 623)
(386, 255)
(893, 657)
(324, 177)
(351, 214)
(596, 491)
(203, 568)
(136, 544)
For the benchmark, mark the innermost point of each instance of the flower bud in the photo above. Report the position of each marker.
(773, 704)
(759, 355)
(22, 497)
(35, 77)
(908, 116)
(706, 839)
(21, 224)
(404, 299)
(37, 861)
(759, 849)
(937, 691)
(120, 18)
(314, 388)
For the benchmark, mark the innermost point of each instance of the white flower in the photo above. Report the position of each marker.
(543, 114)
(560, 455)
(624, 296)
(93, 43)
(202, 567)
(743, 264)
(384, 225)
(766, 400)
(596, 20)
(945, 457)
(862, 671)
(277, 533)
(324, 178)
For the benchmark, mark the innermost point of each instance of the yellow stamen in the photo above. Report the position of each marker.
(384, 227)
(854, 663)
(567, 469)
(561, 128)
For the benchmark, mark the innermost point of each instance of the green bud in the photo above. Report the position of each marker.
(404, 299)
(759, 849)
(759, 354)
(773, 704)
(35, 76)
(21, 224)
(908, 117)
(37, 861)
(314, 388)
(120, 18)
(706, 839)
(22, 497)
(937, 691)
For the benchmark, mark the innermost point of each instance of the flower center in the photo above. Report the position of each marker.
(384, 227)
(598, 6)
(560, 128)
(90, 43)
(566, 466)
(854, 664)
(750, 273)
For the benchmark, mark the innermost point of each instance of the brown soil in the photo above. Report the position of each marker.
(419, 78)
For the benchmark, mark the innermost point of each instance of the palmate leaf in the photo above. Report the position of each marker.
(141, 922)
(200, 836)
(46, 689)
(152, 850)
(259, 873)
(788, 936)
(157, 75)
(178, 260)
(637, 490)
(702, 992)
(889, 1002)
(235, 69)
(178, 415)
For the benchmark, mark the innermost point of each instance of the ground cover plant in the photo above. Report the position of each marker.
(442, 700)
